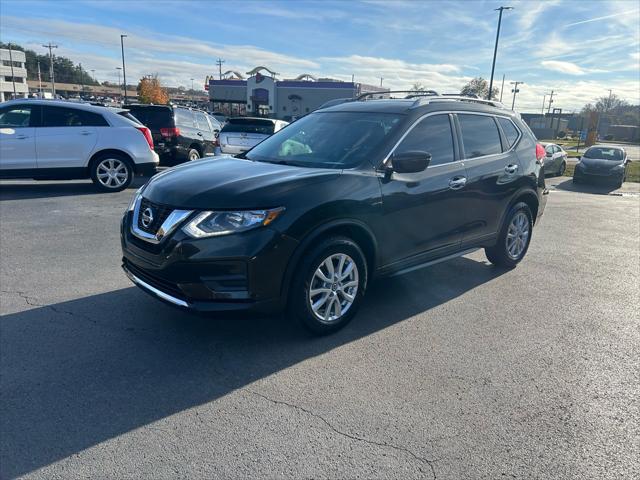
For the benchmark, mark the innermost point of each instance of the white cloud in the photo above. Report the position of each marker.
(563, 67)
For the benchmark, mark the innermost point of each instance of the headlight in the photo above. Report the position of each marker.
(211, 224)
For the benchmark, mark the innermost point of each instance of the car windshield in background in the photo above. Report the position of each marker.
(153, 117)
(240, 125)
(327, 140)
(604, 153)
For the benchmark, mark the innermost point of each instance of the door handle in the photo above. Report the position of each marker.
(511, 169)
(85, 132)
(199, 134)
(456, 183)
(21, 137)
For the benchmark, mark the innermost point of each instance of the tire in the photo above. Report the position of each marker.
(193, 155)
(111, 172)
(506, 253)
(576, 181)
(340, 251)
(561, 170)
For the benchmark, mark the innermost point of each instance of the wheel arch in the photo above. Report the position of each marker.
(110, 151)
(356, 230)
(527, 196)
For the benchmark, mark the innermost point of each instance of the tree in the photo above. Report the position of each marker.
(417, 87)
(150, 91)
(480, 87)
(606, 104)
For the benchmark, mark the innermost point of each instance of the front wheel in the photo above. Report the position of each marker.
(111, 172)
(563, 167)
(329, 286)
(514, 238)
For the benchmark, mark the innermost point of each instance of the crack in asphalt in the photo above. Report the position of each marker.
(426, 461)
(32, 301)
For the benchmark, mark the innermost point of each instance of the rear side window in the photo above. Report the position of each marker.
(185, 118)
(15, 117)
(71, 117)
(240, 125)
(479, 135)
(154, 117)
(203, 123)
(128, 116)
(509, 130)
(432, 135)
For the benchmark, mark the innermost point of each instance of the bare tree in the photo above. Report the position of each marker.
(480, 87)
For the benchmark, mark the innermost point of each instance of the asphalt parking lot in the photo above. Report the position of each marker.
(458, 371)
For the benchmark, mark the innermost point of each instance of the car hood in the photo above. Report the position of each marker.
(231, 183)
(599, 164)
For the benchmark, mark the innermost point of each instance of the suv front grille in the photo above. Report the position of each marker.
(158, 212)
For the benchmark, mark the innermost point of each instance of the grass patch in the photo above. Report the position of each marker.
(633, 175)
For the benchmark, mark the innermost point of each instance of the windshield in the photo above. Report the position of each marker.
(604, 153)
(153, 117)
(327, 139)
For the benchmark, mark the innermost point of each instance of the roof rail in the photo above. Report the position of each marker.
(460, 98)
(412, 93)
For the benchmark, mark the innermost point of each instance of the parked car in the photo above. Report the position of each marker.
(602, 162)
(308, 217)
(555, 162)
(240, 134)
(59, 140)
(179, 134)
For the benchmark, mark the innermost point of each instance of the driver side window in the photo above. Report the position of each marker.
(432, 135)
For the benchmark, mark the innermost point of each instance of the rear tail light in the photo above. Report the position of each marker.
(540, 153)
(170, 132)
(147, 136)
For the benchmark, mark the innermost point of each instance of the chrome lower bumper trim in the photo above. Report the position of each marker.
(155, 291)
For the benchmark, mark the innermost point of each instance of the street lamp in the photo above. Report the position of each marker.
(495, 49)
(119, 84)
(124, 71)
(192, 90)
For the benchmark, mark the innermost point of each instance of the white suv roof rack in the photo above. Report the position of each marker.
(459, 98)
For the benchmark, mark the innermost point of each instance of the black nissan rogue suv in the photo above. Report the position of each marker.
(308, 217)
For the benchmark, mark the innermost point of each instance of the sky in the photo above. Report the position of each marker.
(580, 49)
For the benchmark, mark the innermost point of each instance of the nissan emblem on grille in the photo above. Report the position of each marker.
(147, 217)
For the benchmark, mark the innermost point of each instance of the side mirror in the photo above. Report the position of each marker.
(410, 162)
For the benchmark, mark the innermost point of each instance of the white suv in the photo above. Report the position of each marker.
(57, 140)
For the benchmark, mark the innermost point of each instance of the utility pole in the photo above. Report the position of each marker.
(550, 101)
(495, 49)
(544, 101)
(502, 88)
(124, 71)
(608, 102)
(192, 90)
(119, 84)
(81, 81)
(381, 81)
(39, 81)
(515, 90)
(219, 62)
(13, 78)
(51, 75)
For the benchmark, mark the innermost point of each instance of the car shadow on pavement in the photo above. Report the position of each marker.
(48, 189)
(598, 188)
(81, 372)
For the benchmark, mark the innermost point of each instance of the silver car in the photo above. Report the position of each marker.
(555, 162)
(241, 134)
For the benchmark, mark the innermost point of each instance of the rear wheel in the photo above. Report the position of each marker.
(514, 238)
(111, 172)
(193, 155)
(329, 286)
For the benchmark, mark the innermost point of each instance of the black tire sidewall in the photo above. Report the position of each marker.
(94, 172)
(498, 254)
(299, 306)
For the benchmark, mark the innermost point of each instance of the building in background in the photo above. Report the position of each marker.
(263, 94)
(13, 78)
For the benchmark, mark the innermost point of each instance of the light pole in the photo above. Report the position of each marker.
(495, 49)
(192, 90)
(515, 90)
(124, 71)
(81, 82)
(119, 84)
(502, 88)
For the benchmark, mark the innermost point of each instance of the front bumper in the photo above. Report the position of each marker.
(146, 169)
(231, 273)
(611, 174)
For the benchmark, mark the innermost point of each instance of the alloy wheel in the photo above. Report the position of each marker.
(112, 173)
(333, 288)
(517, 235)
